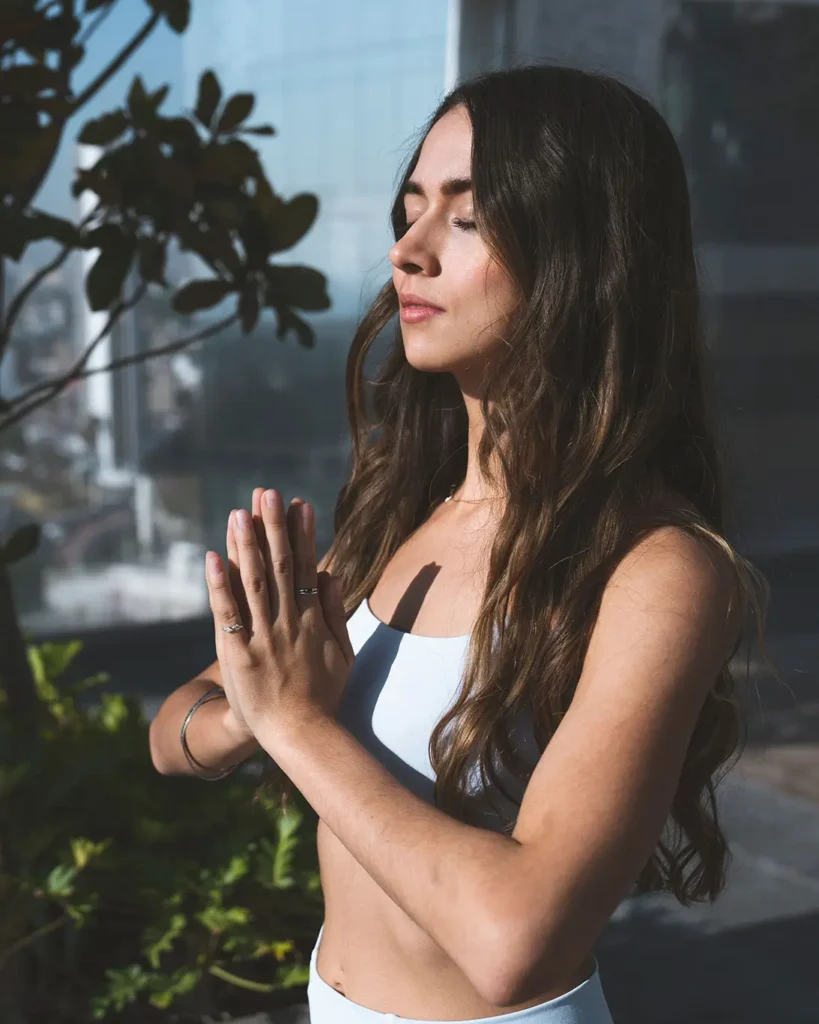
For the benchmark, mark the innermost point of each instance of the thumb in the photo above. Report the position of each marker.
(335, 615)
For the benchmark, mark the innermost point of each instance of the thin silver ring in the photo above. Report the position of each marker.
(233, 629)
(306, 590)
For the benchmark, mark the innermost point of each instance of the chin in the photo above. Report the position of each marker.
(429, 360)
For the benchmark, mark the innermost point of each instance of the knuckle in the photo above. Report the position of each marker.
(255, 584)
(229, 618)
(283, 565)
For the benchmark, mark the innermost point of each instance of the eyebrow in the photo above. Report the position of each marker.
(449, 187)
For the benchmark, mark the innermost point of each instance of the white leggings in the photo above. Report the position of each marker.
(584, 1004)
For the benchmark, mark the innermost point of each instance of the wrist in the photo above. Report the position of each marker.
(288, 733)
(238, 732)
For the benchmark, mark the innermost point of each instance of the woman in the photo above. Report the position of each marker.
(534, 680)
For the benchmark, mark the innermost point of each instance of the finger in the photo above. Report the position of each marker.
(222, 603)
(335, 614)
(281, 558)
(261, 540)
(252, 571)
(302, 533)
(234, 572)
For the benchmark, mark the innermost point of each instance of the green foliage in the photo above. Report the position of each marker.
(124, 892)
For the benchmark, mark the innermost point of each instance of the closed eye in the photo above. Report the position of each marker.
(465, 225)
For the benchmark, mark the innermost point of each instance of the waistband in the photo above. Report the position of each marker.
(584, 1004)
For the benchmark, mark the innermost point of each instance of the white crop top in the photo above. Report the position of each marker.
(399, 688)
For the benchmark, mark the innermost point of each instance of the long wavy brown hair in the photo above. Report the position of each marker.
(598, 405)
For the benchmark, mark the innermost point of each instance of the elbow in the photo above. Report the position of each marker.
(521, 969)
(159, 762)
(497, 974)
(526, 976)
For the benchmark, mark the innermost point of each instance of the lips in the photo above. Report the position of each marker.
(410, 301)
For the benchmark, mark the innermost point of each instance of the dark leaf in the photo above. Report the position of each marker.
(227, 163)
(44, 225)
(104, 130)
(152, 254)
(228, 212)
(288, 320)
(139, 106)
(157, 98)
(298, 286)
(249, 307)
(177, 12)
(214, 245)
(17, 230)
(288, 222)
(262, 129)
(109, 190)
(14, 234)
(102, 237)
(237, 108)
(177, 131)
(103, 286)
(208, 99)
(200, 294)
(28, 80)
(73, 55)
(22, 542)
(33, 153)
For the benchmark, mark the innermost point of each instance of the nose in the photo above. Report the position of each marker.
(416, 249)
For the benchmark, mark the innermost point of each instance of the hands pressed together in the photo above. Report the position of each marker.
(291, 661)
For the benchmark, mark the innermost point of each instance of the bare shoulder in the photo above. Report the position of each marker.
(672, 574)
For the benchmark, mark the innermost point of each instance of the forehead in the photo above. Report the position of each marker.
(444, 163)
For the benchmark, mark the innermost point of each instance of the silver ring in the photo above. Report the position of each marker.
(233, 629)
(306, 590)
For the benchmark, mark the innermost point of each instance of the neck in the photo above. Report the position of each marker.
(475, 487)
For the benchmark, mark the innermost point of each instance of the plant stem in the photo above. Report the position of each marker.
(234, 979)
(54, 387)
(29, 940)
(94, 87)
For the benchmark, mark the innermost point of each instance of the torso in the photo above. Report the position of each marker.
(371, 951)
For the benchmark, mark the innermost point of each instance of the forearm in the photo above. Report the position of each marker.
(210, 739)
(446, 875)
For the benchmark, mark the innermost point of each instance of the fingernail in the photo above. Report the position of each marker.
(304, 512)
(214, 565)
(270, 498)
(243, 519)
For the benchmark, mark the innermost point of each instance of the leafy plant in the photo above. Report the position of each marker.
(124, 893)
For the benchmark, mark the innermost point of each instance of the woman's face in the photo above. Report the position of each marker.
(445, 261)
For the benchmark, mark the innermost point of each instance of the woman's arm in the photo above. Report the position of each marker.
(213, 735)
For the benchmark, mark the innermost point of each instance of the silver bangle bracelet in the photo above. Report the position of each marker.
(216, 693)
